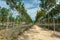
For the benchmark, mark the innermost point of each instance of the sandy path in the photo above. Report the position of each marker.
(37, 33)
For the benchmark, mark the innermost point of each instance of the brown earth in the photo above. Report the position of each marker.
(34, 33)
(37, 33)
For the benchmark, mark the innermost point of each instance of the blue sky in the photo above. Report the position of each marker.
(31, 6)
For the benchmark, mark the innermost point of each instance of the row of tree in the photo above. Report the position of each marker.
(49, 13)
(19, 6)
(7, 16)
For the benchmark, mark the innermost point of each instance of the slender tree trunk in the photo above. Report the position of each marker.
(7, 23)
(48, 21)
(54, 24)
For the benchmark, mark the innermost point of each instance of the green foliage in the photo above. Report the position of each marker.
(25, 14)
(11, 18)
(4, 14)
(40, 14)
(18, 19)
(19, 6)
(55, 11)
(14, 3)
(47, 4)
(52, 10)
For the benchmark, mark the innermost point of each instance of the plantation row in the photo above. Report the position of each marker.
(49, 14)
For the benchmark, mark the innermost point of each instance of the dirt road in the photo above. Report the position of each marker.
(37, 33)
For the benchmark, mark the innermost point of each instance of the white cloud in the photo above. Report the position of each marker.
(32, 12)
(32, 8)
(36, 1)
(31, 3)
(15, 13)
(57, 1)
(28, 5)
(3, 4)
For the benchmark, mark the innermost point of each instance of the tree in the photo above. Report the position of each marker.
(4, 14)
(18, 19)
(39, 15)
(19, 6)
(11, 18)
(47, 4)
(51, 9)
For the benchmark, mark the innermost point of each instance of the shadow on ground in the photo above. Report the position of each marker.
(55, 35)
